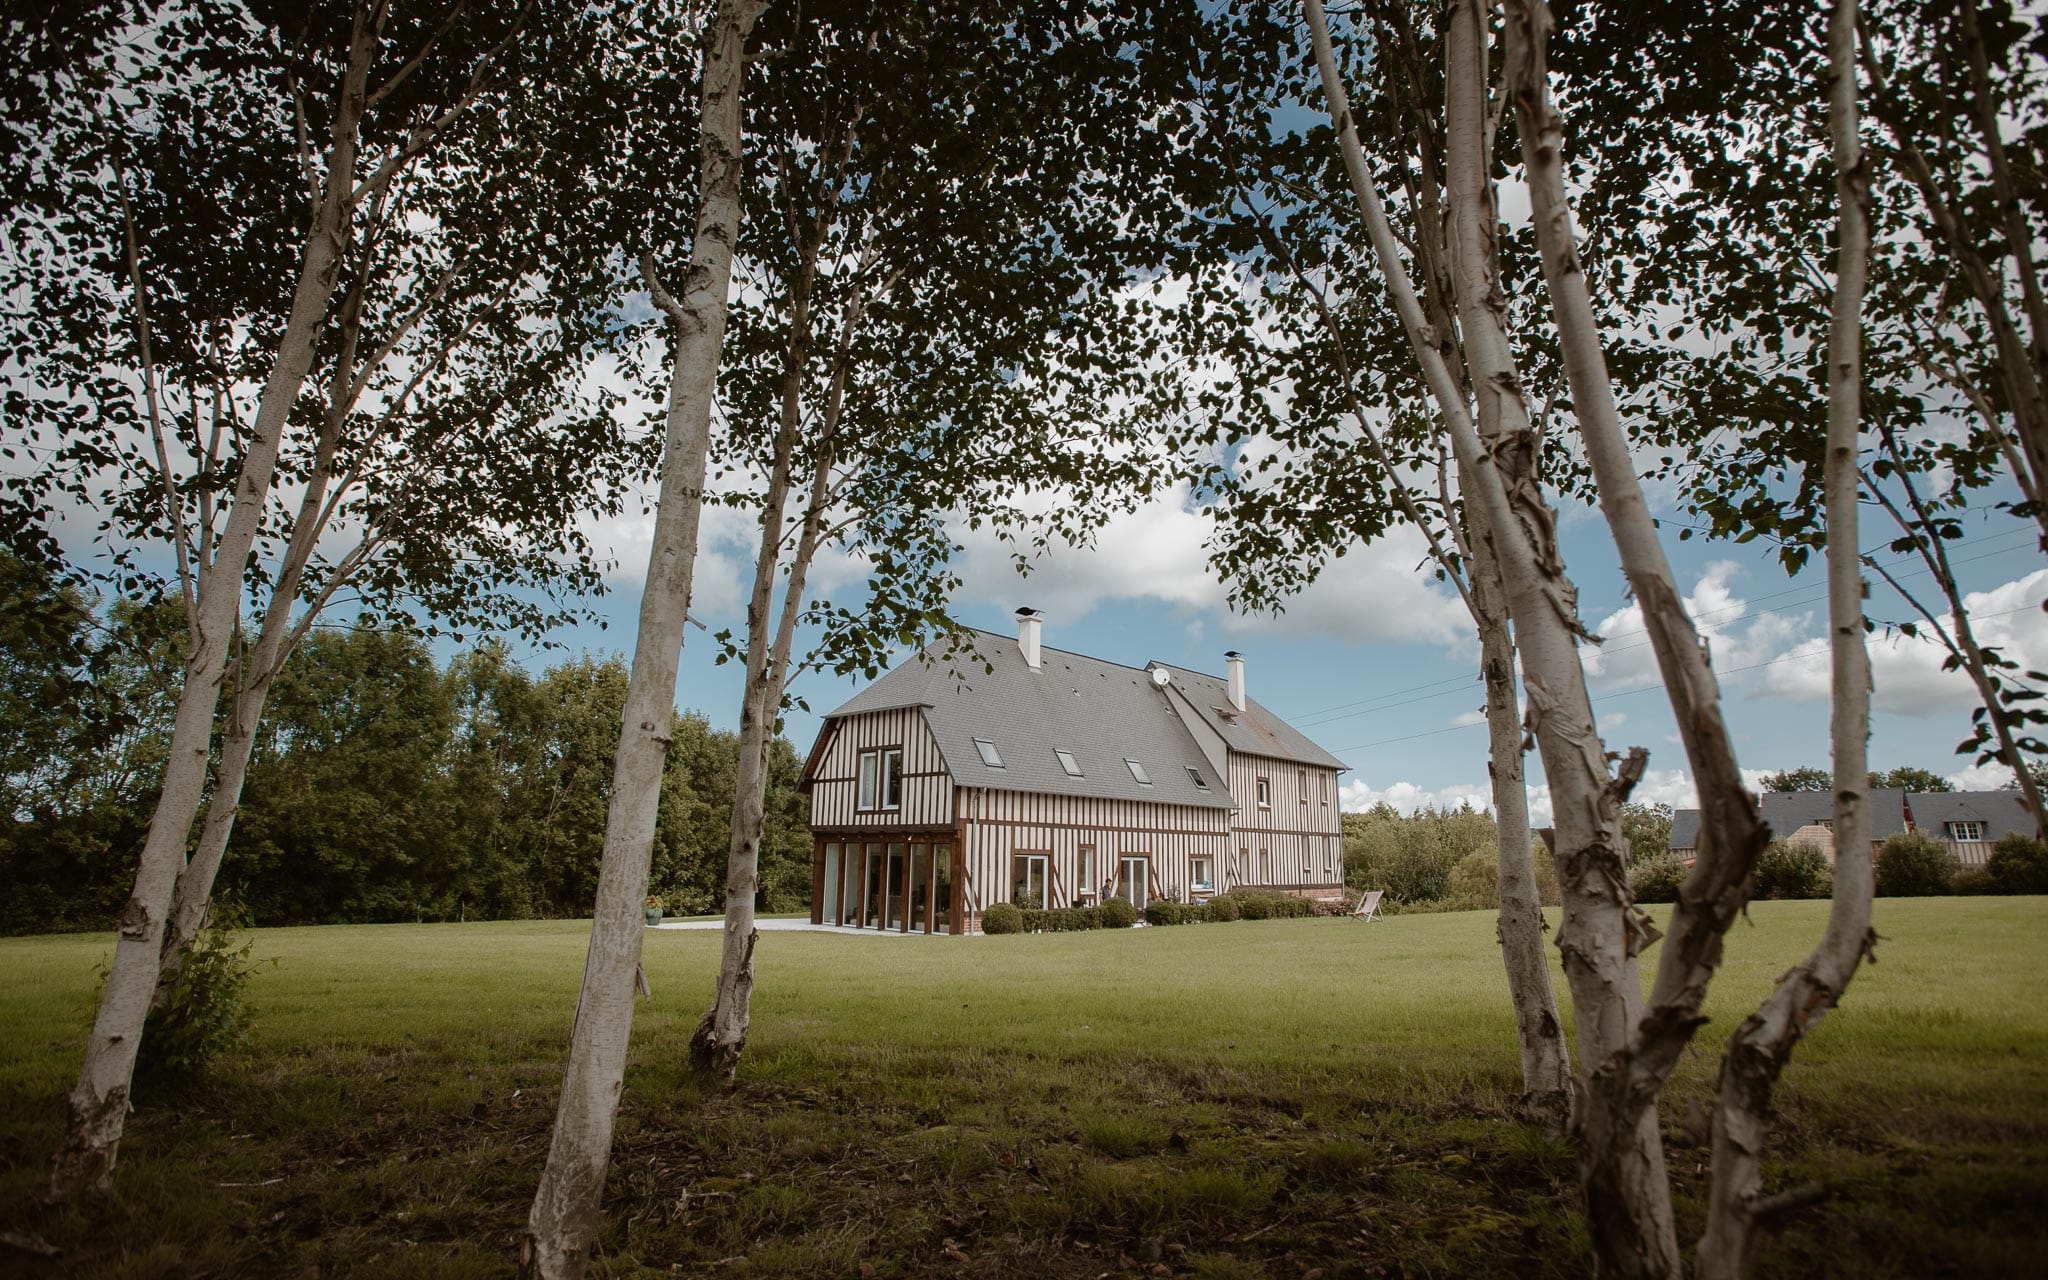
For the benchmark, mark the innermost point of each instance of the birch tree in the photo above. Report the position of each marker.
(1761, 1046)
(564, 1217)
(1627, 1049)
(939, 225)
(271, 331)
(1351, 454)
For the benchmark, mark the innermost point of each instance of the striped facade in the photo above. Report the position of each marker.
(1292, 839)
(998, 771)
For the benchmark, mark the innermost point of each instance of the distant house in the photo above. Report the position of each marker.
(1004, 771)
(1968, 821)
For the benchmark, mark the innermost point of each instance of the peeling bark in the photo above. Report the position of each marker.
(1763, 1044)
(563, 1222)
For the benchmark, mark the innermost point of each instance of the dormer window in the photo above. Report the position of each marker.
(1966, 831)
(989, 755)
(1067, 762)
(1195, 776)
(1138, 772)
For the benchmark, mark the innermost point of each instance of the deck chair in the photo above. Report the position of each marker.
(1369, 907)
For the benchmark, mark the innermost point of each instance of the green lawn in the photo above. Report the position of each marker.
(1259, 1098)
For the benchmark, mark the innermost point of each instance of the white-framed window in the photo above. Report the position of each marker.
(1027, 880)
(1138, 772)
(1084, 871)
(1326, 790)
(1265, 793)
(1965, 831)
(1301, 778)
(989, 755)
(1195, 776)
(1202, 874)
(1068, 762)
(1265, 866)
(881, 779)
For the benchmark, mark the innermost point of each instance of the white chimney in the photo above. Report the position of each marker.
(1234, 663)
(1028, 620)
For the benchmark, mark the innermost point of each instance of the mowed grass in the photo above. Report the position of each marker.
(1273, 1098)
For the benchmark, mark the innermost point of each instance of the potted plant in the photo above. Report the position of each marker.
(654, 911)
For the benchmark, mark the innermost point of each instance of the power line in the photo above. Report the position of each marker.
(1457, 684)
(1648, 688)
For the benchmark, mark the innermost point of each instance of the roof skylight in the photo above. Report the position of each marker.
(1067, 762)
(1138, 772)
(989, 756)
(1195, 776)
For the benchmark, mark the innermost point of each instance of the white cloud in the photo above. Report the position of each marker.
(1906, 674)
(1982, 777)
(1613, 720)
(1158, 553)
(1464, 718)
(1734, 636)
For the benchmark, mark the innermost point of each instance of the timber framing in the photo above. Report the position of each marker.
(1059, 789)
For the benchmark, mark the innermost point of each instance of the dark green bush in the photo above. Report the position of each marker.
(207, 1013)
(1118, 913)
(1255, 906)
(2019, 864)
(1223, 907)
(1793, 871)
(1914, 864)
(1162, 911)
(1972, 882)
(1002, 917)
(1657, 879)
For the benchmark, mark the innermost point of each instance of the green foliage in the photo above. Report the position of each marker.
(1648, 828)
(206, 1013)
(1804, 778)
(1792, 871)
(1060, 919)
(1162, 911)
(1658, 879)
(2018, 864)
(1910, 778)
(1223, 907)
(1002, 917)
(1118, 913)
(1913, 864)
(1411, 858)
(383, 788)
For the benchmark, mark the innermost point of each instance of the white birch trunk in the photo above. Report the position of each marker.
(721, 1036)
(1763, 1044)
(99, 1100)
(1546, 1062)
(1622, 1165)
(564, 1218)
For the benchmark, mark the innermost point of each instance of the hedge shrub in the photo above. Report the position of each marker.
(1002, 917)
(1118, 913)
(1061, 919)
(1914, 864)
(1793, 871)
(1657, 879)
(2019, 864)
(1223, 907)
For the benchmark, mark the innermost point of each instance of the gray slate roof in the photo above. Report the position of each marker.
(2001, 812)
(1254, 731)
(1787, 811)
(1101, 711)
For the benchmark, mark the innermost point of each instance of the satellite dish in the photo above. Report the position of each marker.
(1162, 677)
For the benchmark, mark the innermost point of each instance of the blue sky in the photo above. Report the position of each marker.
(1376, 663)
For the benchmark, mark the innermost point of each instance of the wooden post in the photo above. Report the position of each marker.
(818, 878)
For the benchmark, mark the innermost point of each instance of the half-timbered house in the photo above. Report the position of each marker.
(994, 769)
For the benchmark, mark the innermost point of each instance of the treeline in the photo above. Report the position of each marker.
(384, 786)
(1448, 859)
